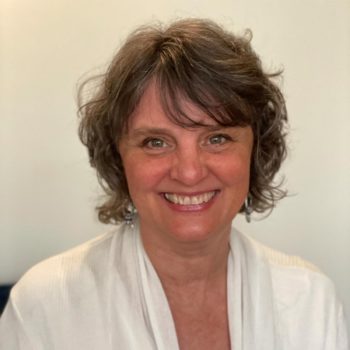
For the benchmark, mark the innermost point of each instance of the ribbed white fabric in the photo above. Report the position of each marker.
(106, 295)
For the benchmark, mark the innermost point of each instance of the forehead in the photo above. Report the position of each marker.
(151, 112)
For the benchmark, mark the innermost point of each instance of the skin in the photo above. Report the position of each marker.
(165, 163)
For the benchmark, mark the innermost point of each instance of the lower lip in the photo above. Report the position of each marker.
(192, 207)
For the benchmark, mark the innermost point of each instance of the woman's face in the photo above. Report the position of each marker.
(186, 184)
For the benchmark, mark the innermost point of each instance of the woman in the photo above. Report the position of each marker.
(185, 131)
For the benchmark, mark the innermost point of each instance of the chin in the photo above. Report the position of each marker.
(196, 232)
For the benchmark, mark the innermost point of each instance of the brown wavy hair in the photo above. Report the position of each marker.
(197, 60)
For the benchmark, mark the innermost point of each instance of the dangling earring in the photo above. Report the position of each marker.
(248, 209)
(130, 215)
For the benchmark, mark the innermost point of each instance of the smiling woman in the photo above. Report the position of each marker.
(195, 179)
(192, 63)
(185, 131)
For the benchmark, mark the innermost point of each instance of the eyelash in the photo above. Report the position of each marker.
(224, 138)
(161, 144)
(147, 142)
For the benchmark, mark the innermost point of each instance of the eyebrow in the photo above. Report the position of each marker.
(158, 131)
(144, 131)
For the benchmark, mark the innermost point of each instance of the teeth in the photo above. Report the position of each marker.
(189, 200)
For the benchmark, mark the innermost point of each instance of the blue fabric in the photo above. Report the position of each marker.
(4, 294)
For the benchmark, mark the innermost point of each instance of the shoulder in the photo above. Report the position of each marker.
(69, 292)
(72, 260)
(291, 276)
(304, 298)
(75, 271)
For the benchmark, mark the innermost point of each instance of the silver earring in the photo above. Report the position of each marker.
(248, 209)
(130, 215)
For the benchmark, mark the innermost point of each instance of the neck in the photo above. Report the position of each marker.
(181, 264)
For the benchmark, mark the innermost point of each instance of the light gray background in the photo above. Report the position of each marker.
(48, 191)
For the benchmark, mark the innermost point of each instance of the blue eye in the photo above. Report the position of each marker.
(154, 143)
(218, 139)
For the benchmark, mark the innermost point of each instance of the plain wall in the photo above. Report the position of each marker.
(48, 191)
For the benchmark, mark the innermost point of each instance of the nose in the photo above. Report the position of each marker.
(189, 165)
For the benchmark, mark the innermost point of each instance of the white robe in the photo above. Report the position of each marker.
(105, 294)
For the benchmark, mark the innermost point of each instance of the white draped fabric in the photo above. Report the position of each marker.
(105, 294)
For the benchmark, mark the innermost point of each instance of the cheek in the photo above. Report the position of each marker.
(234, 170)
(143, 174)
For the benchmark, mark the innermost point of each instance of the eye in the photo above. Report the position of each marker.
(219, 139)
(154, 143)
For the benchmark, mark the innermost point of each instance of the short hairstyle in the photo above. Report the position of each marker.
(198, 60)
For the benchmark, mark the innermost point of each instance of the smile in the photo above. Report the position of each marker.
(189, 200)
